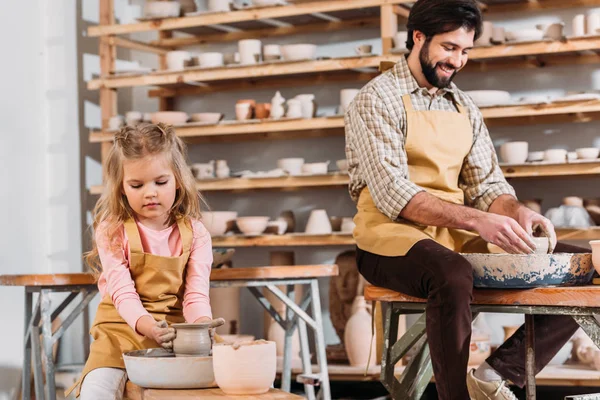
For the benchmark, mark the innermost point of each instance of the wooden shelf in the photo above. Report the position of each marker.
(308, 8)
(342, 180)
(582, 111)
(284, 128)
(551, 170)
(340, 239)
(312, 67)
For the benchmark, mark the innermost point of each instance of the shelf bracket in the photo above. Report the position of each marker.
(326, 17)
(275, 23)
(224, 28)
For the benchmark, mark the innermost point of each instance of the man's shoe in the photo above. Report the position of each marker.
(482, 390)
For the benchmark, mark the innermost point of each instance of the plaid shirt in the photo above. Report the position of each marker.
(375, 136)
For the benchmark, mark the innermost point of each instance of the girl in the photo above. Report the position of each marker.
(151, 253)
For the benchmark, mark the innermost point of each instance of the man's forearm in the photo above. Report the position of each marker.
(506, 205)
(427, 209)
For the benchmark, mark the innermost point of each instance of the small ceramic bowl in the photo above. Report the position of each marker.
(294, 52)
(217, 222)
(209, 118)
(162, 9)
(514, 152)
(252, 225)
(588, 153)
(170, 117)
(535, 156)
(318, 168)
(555, 155)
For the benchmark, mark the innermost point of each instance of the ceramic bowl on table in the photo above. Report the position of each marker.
(169, 117)
(520, 271)
(161, 369)
(489, 98)
(246, 368)
(218, 222)
(296, 52)
(252, 225)
(514, 152)
(206, 117)
(587, 153)
(535, 156)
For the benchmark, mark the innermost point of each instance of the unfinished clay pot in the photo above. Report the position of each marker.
(262, 110)
(194, 339)
(358, 337)
(245, 368)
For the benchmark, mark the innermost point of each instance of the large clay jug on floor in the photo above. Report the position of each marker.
(358, 336)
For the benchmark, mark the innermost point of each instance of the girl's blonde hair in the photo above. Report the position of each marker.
(134, 143)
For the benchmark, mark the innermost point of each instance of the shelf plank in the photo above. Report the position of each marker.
(238, 16)
(551, 170)
(281, 129)
(532, 6)
(340, 239)
(342, 180)
(309, 67)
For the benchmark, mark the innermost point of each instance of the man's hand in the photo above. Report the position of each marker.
(159, 331)
(505, 232)
(531, 221)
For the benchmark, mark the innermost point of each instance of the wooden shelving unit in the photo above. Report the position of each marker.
(323, 16)
(345, 239)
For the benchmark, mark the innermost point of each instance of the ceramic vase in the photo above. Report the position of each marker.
(358, 337)
(192, 340)
(277, 108)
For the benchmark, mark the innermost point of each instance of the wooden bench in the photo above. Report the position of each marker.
(39, 318)
(580, 302)
(135, 392)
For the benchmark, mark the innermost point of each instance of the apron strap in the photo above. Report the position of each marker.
(133, 235)
(186, 234)
(408, 107)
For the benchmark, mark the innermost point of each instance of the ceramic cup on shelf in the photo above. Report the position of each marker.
(176, 60)
(318, 223)
(498, 35)
(243, 111)
(592, 23)
(262, 110)
(308, 105)
(219, 5)
(271, 52)
(555, 155)
(579, 25)
(514, 152)
(400, 39)
(250, 51)
(294, 108)
(486, 34)
(552, 31)
(210, 60)
(364, 49)
(346, 97)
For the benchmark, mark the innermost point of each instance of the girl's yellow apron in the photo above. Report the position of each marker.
(437, 143)
(159, 281)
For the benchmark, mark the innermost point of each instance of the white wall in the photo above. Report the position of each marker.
(39, 153)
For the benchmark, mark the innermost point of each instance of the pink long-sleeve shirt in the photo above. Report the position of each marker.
(115, 279)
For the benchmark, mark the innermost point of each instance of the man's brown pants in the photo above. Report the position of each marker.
(445, 278)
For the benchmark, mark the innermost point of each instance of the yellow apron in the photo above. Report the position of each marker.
(437, 143)
(159, 281)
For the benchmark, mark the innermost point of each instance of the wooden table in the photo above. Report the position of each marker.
(36, 351)
(134, 392)
(579, 302)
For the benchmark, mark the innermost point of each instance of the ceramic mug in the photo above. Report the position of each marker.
(346, 97)
(219, 5)
(250, 51)
(243, 111)
(364, 49)
(176, 60)
(579, 25)
(294, 108)
(592, 23)
(272, 51)
(210, 60)
(400, 39)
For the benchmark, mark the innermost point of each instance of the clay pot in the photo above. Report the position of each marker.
(336, 223)
(192, 339)
(252, 106)
(509, 330)
(245, 368)
(262, 110)
(358, 337)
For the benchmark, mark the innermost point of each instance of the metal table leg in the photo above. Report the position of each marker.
(26, 374)
(320, 339)
(530, 356)
(286, 376)
(47, 343)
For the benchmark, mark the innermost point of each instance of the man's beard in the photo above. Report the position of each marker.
(430, 70)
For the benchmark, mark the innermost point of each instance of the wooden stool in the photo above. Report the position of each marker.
(296, 316)
(580, 302)
(42, 314)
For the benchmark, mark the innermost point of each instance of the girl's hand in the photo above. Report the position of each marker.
(159, 331)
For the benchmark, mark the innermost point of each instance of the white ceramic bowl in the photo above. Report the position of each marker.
(555, 155)
(488, 98)
(292, 166)
(292, 52)
(209, 118)
(523, 35)
(216, 221)
(170, 117)
(535, 156)
(588, 153)
(571, 155)
(252, 225)
(342, 165)
(210, 60)
(514, 152)
(161, 369)
(246, 368)
(162, 9)
(265, 3)
(318, 168)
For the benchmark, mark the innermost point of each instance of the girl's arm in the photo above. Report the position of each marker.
(196, 301)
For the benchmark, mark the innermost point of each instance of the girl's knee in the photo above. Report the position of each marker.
(104, 383)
